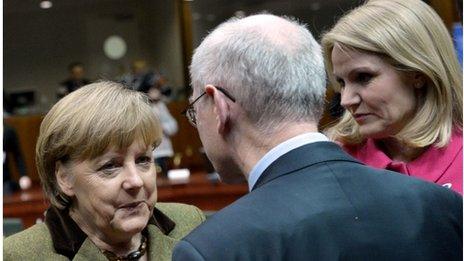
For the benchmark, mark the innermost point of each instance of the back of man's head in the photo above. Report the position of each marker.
(271, 65)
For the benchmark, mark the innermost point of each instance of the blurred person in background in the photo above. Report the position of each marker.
(143, 79)
(95, 160)
(394, 63)
(12, 153)
(164, 152)
(75, 80)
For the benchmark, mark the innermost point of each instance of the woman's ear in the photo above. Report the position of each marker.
(419, 80)
(63, 178)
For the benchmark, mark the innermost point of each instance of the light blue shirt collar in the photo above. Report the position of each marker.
(280, 150)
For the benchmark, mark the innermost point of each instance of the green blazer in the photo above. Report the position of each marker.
(35, 243)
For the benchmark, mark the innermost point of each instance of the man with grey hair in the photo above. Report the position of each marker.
(258, 93)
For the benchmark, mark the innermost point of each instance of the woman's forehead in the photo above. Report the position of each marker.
(113, 151)
(136, 146)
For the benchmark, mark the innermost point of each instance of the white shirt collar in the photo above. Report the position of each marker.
(280, 150)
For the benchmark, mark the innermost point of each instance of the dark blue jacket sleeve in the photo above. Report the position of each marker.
(184, 251)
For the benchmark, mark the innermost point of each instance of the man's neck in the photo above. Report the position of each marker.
(253, 145)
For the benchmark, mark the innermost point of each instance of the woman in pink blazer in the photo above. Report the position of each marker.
(394, 64)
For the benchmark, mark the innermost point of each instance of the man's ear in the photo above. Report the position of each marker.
(63, 179)
(221, 109)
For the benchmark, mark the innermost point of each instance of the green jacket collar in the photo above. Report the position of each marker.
(69, 240)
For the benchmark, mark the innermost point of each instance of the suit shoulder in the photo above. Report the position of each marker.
(396, 188)
(419, 187)
(236, 220)
(34, 243)
(186, 217)
(439, 196)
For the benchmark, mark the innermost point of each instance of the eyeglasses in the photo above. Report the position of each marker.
(190, 112)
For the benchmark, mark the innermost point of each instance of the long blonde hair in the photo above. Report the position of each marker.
(413, 38)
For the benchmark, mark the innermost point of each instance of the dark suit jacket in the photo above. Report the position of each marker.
(318, 203)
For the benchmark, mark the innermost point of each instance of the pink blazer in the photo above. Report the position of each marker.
(442, 166)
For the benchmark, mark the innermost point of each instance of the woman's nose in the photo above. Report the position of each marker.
(349, 98)
(132, 178)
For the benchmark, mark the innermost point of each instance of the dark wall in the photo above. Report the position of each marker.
(318, 15)
(39, 44)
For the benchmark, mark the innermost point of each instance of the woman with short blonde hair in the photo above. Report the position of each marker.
(85, 125)
(94, 158)
(371, 54)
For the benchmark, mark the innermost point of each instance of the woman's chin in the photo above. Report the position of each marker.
(373, 131)
(133, 225)
(131, 222)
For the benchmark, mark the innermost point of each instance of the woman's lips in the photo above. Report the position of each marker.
(131, 205)
(361, 117)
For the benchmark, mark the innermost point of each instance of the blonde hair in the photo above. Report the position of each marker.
(413, 38)
(85, 123)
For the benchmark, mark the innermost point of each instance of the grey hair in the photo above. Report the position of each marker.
(276, 73)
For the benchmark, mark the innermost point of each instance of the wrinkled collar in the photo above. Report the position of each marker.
(67, 237)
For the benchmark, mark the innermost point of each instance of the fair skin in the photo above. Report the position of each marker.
(380, 98)
(233, 143)
(113, 196)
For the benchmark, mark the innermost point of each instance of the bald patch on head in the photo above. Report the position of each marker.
(274, 29)
(265, 21)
